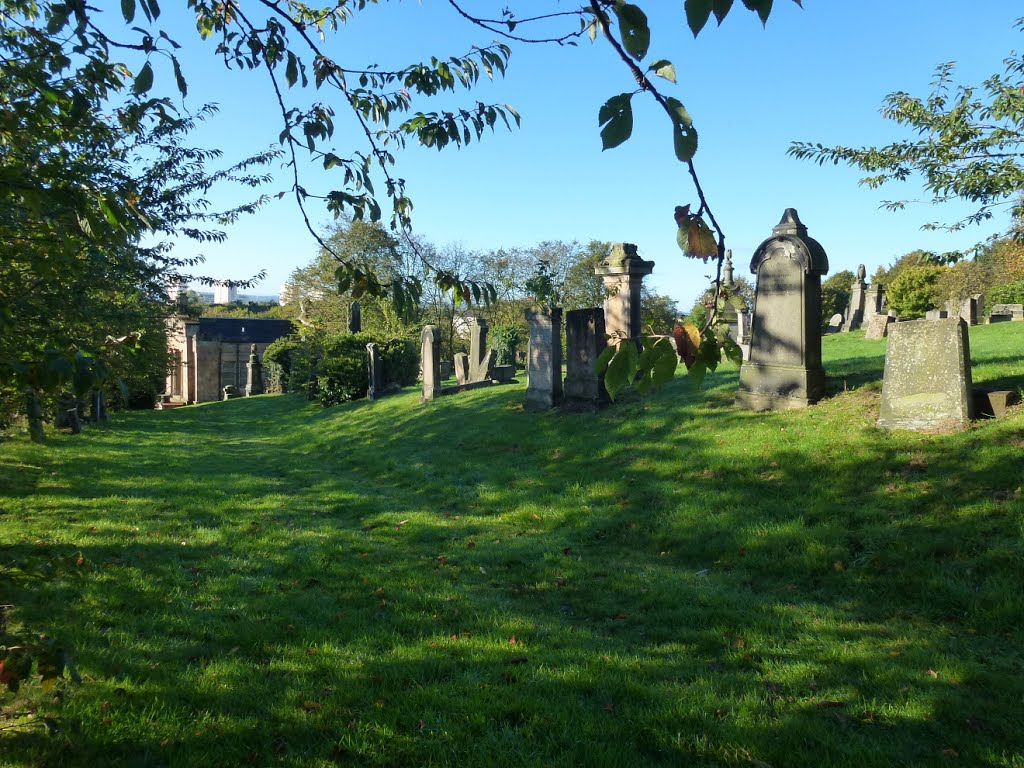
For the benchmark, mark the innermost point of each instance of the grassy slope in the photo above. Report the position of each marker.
(670, 582)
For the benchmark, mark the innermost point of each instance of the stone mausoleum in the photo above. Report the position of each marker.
(211, 353)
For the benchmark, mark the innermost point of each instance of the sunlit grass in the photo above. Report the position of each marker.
(668, 582)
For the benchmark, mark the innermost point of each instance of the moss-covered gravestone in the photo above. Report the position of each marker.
(784, 369)
(927, 380)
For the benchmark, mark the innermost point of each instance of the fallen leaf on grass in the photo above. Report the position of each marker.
(470, 544)
(512, 640)
(933, 674)
(620, 617)
(950, 752)
(312, 706)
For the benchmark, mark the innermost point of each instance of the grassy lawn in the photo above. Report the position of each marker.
(669, 582)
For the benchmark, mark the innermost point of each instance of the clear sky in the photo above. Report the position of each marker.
(816, 74)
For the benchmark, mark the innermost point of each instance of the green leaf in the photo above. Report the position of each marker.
(633, 29)
(697, 372)
(291, 71)
(697, 14)
(684, 135)
(663, 68)
(700, 240)
(762, 7)
(732, 350)
(721, 9)
(665, 362)
(603, 359)
(621, 369)
(144, 80)
(179, 78)
(738, 303)
(128, 10)
(617, 118)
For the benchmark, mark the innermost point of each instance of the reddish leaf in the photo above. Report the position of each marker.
(682, 215)
(687, 338)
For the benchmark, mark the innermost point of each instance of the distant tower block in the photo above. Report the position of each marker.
(224, 293)
(784, 369)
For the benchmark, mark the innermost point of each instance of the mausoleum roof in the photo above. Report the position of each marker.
(243, 330)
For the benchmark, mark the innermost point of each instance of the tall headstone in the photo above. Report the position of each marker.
(479, 359)
(927, 381)
(430, 361)
(544, 364)
(623, 273)
(784, 369)
(253, 373)
(585, 340)
(462, 368)
(855, 312)
(374, 372)
(874, 301)
(355, 317)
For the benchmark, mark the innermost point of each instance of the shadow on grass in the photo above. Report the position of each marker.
(467, 583)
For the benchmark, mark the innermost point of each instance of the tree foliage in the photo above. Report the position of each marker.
(915, 290)
(968, 144)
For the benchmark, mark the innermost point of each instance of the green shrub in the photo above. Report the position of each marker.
(1009, 293)
(279, 360)
(835, 295)
(505, 339)
(335, 366)
(915, 290)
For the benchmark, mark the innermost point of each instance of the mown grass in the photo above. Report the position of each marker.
(668, 582)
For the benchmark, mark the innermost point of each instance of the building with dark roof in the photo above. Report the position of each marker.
(211, 353)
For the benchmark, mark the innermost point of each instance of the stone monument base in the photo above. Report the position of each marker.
(779, 387)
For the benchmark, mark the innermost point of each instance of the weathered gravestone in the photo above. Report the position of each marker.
(855, 312)
(967, 309)
(1005, 312)
(835, 324)
(461, 368)
(878, 326)
(875, 301)
(936, 314)
(585, 340)
(67, 413)
(927, 380)
(253, 373)
(480, 358)
(355, 318)
(374, 372)
(784, 369)
(623, 275)
(994, 404)
(447, 369)
(430, 362)
(544, 363)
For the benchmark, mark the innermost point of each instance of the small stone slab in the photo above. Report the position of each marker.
(927, 382)
(1004, 312)
(936, 314)
(993, 404)
(877, 326)
(835, 324)
(503, 374)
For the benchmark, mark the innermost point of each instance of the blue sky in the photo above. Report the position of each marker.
(817, 74)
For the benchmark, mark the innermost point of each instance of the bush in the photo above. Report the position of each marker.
(279, 360)
(915, 290)
(339, 365)
(505, 339)
(1009, 293)
(835, 295)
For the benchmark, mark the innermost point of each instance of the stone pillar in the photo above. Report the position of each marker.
(462, 368)
(430, 362)
(253, 374)
(623, 273)
(374, 372)
(784, 369)
(479, 359)
(355, 318)
(855, 312)
(190, 362)
(874, 300)
(544, 364)
(585, 341)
